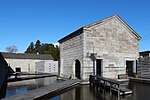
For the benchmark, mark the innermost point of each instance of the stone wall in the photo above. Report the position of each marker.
(26, 65)
(48, 66)
(114, 44)
(70, 51)
(39, 67)
(143, 68)
(51, 66)
(111, 40)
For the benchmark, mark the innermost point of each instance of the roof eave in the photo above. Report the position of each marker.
(71, 35)
(129, 27)
(119, 18)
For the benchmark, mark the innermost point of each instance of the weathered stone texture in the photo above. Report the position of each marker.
(72, 50)
(113, 43)
(26, 65)
(111, 40)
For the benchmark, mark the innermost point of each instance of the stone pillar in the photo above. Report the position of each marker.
(93, 56)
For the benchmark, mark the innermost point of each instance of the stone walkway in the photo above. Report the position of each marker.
(141, 80)
(28, 78)
(34, 94)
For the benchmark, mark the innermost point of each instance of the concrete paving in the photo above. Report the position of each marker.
(28, 78)
(34, 94)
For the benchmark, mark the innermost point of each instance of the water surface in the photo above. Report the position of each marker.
(84, 92)
(20, 87)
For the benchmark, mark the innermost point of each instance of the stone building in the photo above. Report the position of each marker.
(145, 54)
(106, 48)
(46, 66)
(23, 62)
(143, 65)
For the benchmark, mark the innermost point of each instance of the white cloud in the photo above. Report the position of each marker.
(56, 44)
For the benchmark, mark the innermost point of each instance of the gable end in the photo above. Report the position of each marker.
(120, 19)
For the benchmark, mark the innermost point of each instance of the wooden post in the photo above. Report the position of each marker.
(97, 85)
(118, 92)
(110, 88)
(100, 86)
(90, 80)
(94, 81)
(104, 86)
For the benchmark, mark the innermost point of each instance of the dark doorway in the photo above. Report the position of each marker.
(98, 67)
(18, 69)
(129, 68)
(77, 69)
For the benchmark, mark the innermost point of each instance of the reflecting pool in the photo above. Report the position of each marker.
(84, 92)
(20, 87)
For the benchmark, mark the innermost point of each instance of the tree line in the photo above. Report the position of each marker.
(43, 48)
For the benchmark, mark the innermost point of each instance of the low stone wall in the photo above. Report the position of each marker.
(143, 68)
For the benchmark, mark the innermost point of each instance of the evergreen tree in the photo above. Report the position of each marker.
(50, 49)
(57, 52)
(30, 49)
(45, 48)
(37, 46)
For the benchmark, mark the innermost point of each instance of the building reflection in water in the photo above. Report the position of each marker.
(141, 91)
(20, 87)
(81, 92)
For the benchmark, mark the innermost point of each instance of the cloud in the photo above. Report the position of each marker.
(56, 44)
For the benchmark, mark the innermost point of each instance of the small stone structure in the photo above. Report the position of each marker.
(28, 62)
(143, 68)
(145, 55)
(46, 67)
(143, 65)
(106, 48)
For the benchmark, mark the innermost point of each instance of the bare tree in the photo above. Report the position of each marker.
(12, 49)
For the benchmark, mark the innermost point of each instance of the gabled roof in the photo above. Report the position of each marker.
(27, 56)
(120, 19)
(73, 34)
(80, 31)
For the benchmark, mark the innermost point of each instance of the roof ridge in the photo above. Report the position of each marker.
(97, 22)
(119, 18)
(27, 56)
